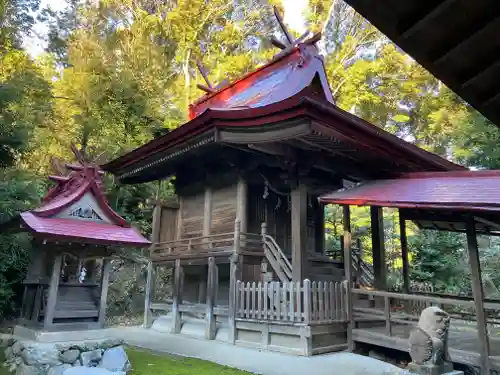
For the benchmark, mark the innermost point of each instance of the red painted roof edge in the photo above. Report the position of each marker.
(415, 205)
(204, 121)
(453, 174)
(246, 76)
(89, 186)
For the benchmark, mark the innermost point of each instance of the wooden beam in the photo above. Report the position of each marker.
(50, 307)
(277, 43)
(210, 327)
(478, 293)
(106, 270)
(242, 203)
(207, 212)
(288, 36)
(404, 254)
(234, 273)
(378, 246)
(177, 297)
(180, 223)
(208, 90)
(148, 316)
(299, 232)
(423, 20)
(347, 241)
(204, 73)
(468, 37)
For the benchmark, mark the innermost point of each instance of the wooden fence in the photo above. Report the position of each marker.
(292, 302)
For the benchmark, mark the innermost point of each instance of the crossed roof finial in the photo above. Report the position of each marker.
(290, 42)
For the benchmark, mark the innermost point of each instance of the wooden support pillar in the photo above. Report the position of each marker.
(319, 232)
(378, 246)
(346, 220)
(106, 270)
(53, 288)
(404, 254)
(234, 271)
(148, 316)
(242, 203)
(177, 297)
(299, 232)
(477, 290)
(180, 218)
(210, 327)
(207, 212)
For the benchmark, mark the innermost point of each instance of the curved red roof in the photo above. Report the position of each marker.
(272, 83)
(76, 209)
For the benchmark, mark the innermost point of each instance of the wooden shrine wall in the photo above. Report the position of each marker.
(223, 209)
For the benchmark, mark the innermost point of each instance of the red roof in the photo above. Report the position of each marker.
(83, 231)
(276, 81)
(456, 190)
(68, 191)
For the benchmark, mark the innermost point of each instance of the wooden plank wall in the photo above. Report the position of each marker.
(168, 224)
(192, 215)
(223, 209)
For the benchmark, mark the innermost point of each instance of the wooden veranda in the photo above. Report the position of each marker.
(453, 201)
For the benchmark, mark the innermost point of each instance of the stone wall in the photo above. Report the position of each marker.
(98, 358)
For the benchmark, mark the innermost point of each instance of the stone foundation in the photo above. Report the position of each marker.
(28, 357)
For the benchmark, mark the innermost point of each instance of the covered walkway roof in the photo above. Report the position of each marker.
(456, 40)
(434, 200)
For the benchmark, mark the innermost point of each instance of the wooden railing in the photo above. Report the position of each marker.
(206, 246)
(292, 302)
(277, 259)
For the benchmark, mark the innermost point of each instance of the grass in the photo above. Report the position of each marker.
(148, 363)
(145, 362)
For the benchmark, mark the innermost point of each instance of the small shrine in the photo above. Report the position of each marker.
(75, 234)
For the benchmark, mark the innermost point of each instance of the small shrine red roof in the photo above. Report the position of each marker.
(274, 82)
(456, 190)
(88, 232)
(76, 209)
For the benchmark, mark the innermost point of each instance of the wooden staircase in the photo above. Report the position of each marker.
(277, 259)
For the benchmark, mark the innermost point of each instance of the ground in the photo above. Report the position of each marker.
(148, 363)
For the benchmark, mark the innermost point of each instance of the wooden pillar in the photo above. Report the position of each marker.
(234, 271)
(177, 297)
(404, 254)
(156, 223)
(299, 232)
(180, 223)
(207, 212)
(148, 316)
(106, 270)
(319, 232)
(378, 246)
(210, 327)
(346, 220)
(52, 295)
(477, 290)
(242, 203)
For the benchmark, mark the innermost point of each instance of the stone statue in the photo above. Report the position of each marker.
(429, 344)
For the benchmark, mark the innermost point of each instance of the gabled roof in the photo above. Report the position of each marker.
(269, 103)
(76, 209)
(274, 82)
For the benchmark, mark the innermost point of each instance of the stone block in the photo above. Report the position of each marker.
(91, 371)
(41, 354)
(115, 359)
(91, 358)
(69, 356)
(58, 370)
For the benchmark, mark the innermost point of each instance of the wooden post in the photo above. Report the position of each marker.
(180, 223)
(264, 263)
(241, 203)
(106, 270)
(207, 212)
(378, 245)
(477, 290)
(320, 228)
(210, 327)
(299, 232)
(233, 305)
(177, 297)
(148, 316)
(53, 287)
(306, 338)
(404, 254)
(348, 274)
(387, 316)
